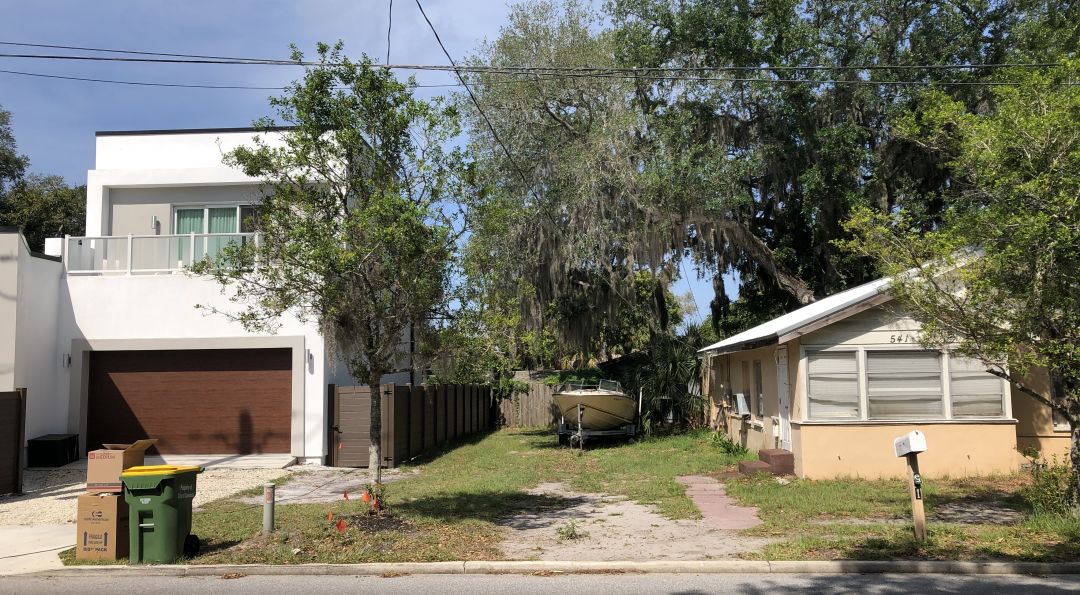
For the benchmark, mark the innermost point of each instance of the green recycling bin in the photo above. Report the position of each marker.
(159, 512)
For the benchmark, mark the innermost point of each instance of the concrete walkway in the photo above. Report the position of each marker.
(33, 548)
(718, 509)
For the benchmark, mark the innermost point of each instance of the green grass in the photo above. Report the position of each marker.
(859, 519)
(449, 510)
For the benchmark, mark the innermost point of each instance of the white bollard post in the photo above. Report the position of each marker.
(268, 508)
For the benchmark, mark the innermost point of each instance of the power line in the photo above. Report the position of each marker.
(475, 101)
(216, 59)
(181, 85)
(389, 27)
(142, 83)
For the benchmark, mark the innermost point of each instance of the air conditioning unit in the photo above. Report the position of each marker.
(740, 406)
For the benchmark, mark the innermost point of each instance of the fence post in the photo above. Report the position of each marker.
(129, 254)
(20, 435)
(191, 251)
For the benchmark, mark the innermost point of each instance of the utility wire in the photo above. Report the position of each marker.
(173, 58)
(389, 27)
(182, 85)
(475, 101)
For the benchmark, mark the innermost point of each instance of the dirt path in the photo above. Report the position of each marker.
(616, 529)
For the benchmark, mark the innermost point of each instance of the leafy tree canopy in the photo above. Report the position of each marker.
(752, 172)
(352, 226)
(999, 279)
(44, 207)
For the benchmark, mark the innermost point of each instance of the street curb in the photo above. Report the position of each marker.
(580, 567)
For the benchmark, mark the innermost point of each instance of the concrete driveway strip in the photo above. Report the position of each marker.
(33, 548)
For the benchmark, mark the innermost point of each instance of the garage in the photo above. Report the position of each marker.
(198, 401)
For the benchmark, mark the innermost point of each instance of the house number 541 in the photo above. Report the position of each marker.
(902, 338)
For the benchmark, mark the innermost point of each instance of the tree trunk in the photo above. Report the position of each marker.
(375, 433)
(1074, 457)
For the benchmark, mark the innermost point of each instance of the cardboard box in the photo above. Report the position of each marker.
(101, 527)
(103, 466)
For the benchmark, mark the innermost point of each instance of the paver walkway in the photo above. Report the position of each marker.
(717, 508)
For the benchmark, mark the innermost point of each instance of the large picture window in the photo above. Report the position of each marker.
(901, 385)
(833, 385)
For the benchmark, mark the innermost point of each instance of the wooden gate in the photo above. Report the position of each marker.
(415, 420)
(12, 438)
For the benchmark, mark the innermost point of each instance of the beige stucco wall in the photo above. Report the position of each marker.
(728, 372)
(1035, 427)
(131, 209)
(953, 450)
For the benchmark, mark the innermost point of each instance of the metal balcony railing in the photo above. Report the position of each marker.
(131, 254)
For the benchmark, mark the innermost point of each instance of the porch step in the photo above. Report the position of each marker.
(751, 467)
(782, 462)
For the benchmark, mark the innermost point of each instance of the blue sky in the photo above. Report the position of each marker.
(54, 121)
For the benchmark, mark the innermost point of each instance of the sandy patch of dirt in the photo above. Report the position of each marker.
(616, 529)
(49, 495)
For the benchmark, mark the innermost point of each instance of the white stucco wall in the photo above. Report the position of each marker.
(9, 286)
(158, 311)
(161, 161)
(37, 361)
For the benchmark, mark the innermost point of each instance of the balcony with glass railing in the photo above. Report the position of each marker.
(150, 254)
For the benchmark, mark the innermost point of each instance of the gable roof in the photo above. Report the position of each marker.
(805, 319)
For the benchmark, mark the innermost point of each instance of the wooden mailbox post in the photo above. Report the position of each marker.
(909, 446)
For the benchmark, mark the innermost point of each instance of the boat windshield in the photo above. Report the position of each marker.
(608, 385)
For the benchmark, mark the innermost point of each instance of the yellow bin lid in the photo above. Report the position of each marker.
(159, 470)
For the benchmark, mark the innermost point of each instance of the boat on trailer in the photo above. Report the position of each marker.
(595, 409)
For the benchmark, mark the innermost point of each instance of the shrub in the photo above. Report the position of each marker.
(729, 446)
(1051, 489)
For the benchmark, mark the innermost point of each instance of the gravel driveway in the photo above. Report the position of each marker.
(50, 494)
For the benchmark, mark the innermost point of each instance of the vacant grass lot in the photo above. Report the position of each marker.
(448, 511)
(870, 520)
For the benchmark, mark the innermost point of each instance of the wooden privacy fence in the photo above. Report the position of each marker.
(12, 438)
(533, 408)
(415, 420)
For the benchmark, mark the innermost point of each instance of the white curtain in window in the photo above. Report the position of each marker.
(974, 392)
(904, 384)
(833, 385)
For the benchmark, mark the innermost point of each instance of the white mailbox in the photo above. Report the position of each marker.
(910, 443)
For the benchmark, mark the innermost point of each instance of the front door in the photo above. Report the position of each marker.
(784, 390)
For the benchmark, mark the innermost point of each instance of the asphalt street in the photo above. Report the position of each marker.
(682, 584)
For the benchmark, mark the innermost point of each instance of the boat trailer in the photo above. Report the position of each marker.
(575, 434)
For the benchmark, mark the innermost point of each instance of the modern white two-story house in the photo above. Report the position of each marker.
(121, 350)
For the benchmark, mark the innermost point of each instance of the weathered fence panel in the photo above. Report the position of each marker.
(536, 407)
(415, 420)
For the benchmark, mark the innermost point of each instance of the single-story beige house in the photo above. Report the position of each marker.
(836, 381)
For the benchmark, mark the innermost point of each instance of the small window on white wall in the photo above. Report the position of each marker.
(904, 384)
(975, 392)
(833, 385)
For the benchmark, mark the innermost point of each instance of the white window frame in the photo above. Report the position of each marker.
(206, 214)
(860, 352)
(758, 372)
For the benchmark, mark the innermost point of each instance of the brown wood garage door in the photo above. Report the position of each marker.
(223, 401)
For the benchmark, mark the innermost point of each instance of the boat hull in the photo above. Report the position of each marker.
(602, 410)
